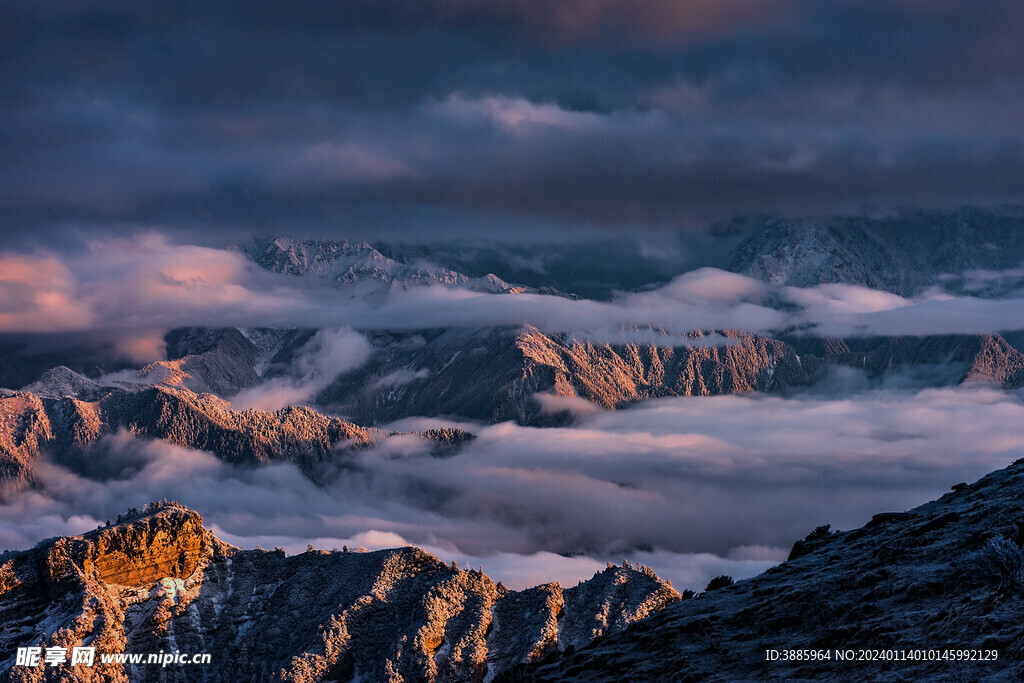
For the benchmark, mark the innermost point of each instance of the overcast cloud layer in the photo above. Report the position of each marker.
(499, 118)
(694, 487)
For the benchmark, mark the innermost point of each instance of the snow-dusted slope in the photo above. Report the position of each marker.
(352, 263)
(159, 581)
(63, 381)
(970, 250)
(202, 360)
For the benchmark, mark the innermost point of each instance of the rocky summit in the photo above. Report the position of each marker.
(159, 581)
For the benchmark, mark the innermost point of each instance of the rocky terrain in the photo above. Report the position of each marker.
(506, 374)
(67, 428)
(157, 580)
(497, 374)
(902, 253)
(937, 360)
(948, 574)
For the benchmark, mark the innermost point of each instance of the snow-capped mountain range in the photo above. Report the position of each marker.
(351, 263)
(973, 251)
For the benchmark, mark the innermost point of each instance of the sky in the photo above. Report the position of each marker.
(498, 119)
(139, 139)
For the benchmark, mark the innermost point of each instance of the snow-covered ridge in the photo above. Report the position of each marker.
(972, 251)
(345, 262)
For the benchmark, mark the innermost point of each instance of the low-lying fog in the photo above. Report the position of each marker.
(694, 487)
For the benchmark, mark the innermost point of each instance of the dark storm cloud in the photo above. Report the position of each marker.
(393, 117)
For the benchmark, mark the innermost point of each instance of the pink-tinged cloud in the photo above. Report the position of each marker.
(39, 294)
(516, 114)
(139, 287)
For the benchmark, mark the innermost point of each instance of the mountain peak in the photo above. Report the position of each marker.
(158, 580)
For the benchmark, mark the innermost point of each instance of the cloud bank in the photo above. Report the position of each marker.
(691, 486)
(143, 286)
(328, 354)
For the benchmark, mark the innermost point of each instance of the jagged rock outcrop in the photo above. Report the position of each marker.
(24, 431)
(946, 575)
(160, 581)
(495, 374)
(67, 428)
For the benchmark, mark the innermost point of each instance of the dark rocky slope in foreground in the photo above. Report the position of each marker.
(948, 574)
(160, 581)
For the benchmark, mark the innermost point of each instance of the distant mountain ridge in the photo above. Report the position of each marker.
(67, 428)
(497, 374)
(157, 580)
(520, 373)
(488, 375)
(903, 253)
(344, 262)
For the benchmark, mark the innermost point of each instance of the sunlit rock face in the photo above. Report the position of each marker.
(967, 358)
(67, 428)
(496, 374)
(158, 580)
(490, 375)
(503, 374)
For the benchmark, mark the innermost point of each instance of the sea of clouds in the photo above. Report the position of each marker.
(694, 487)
